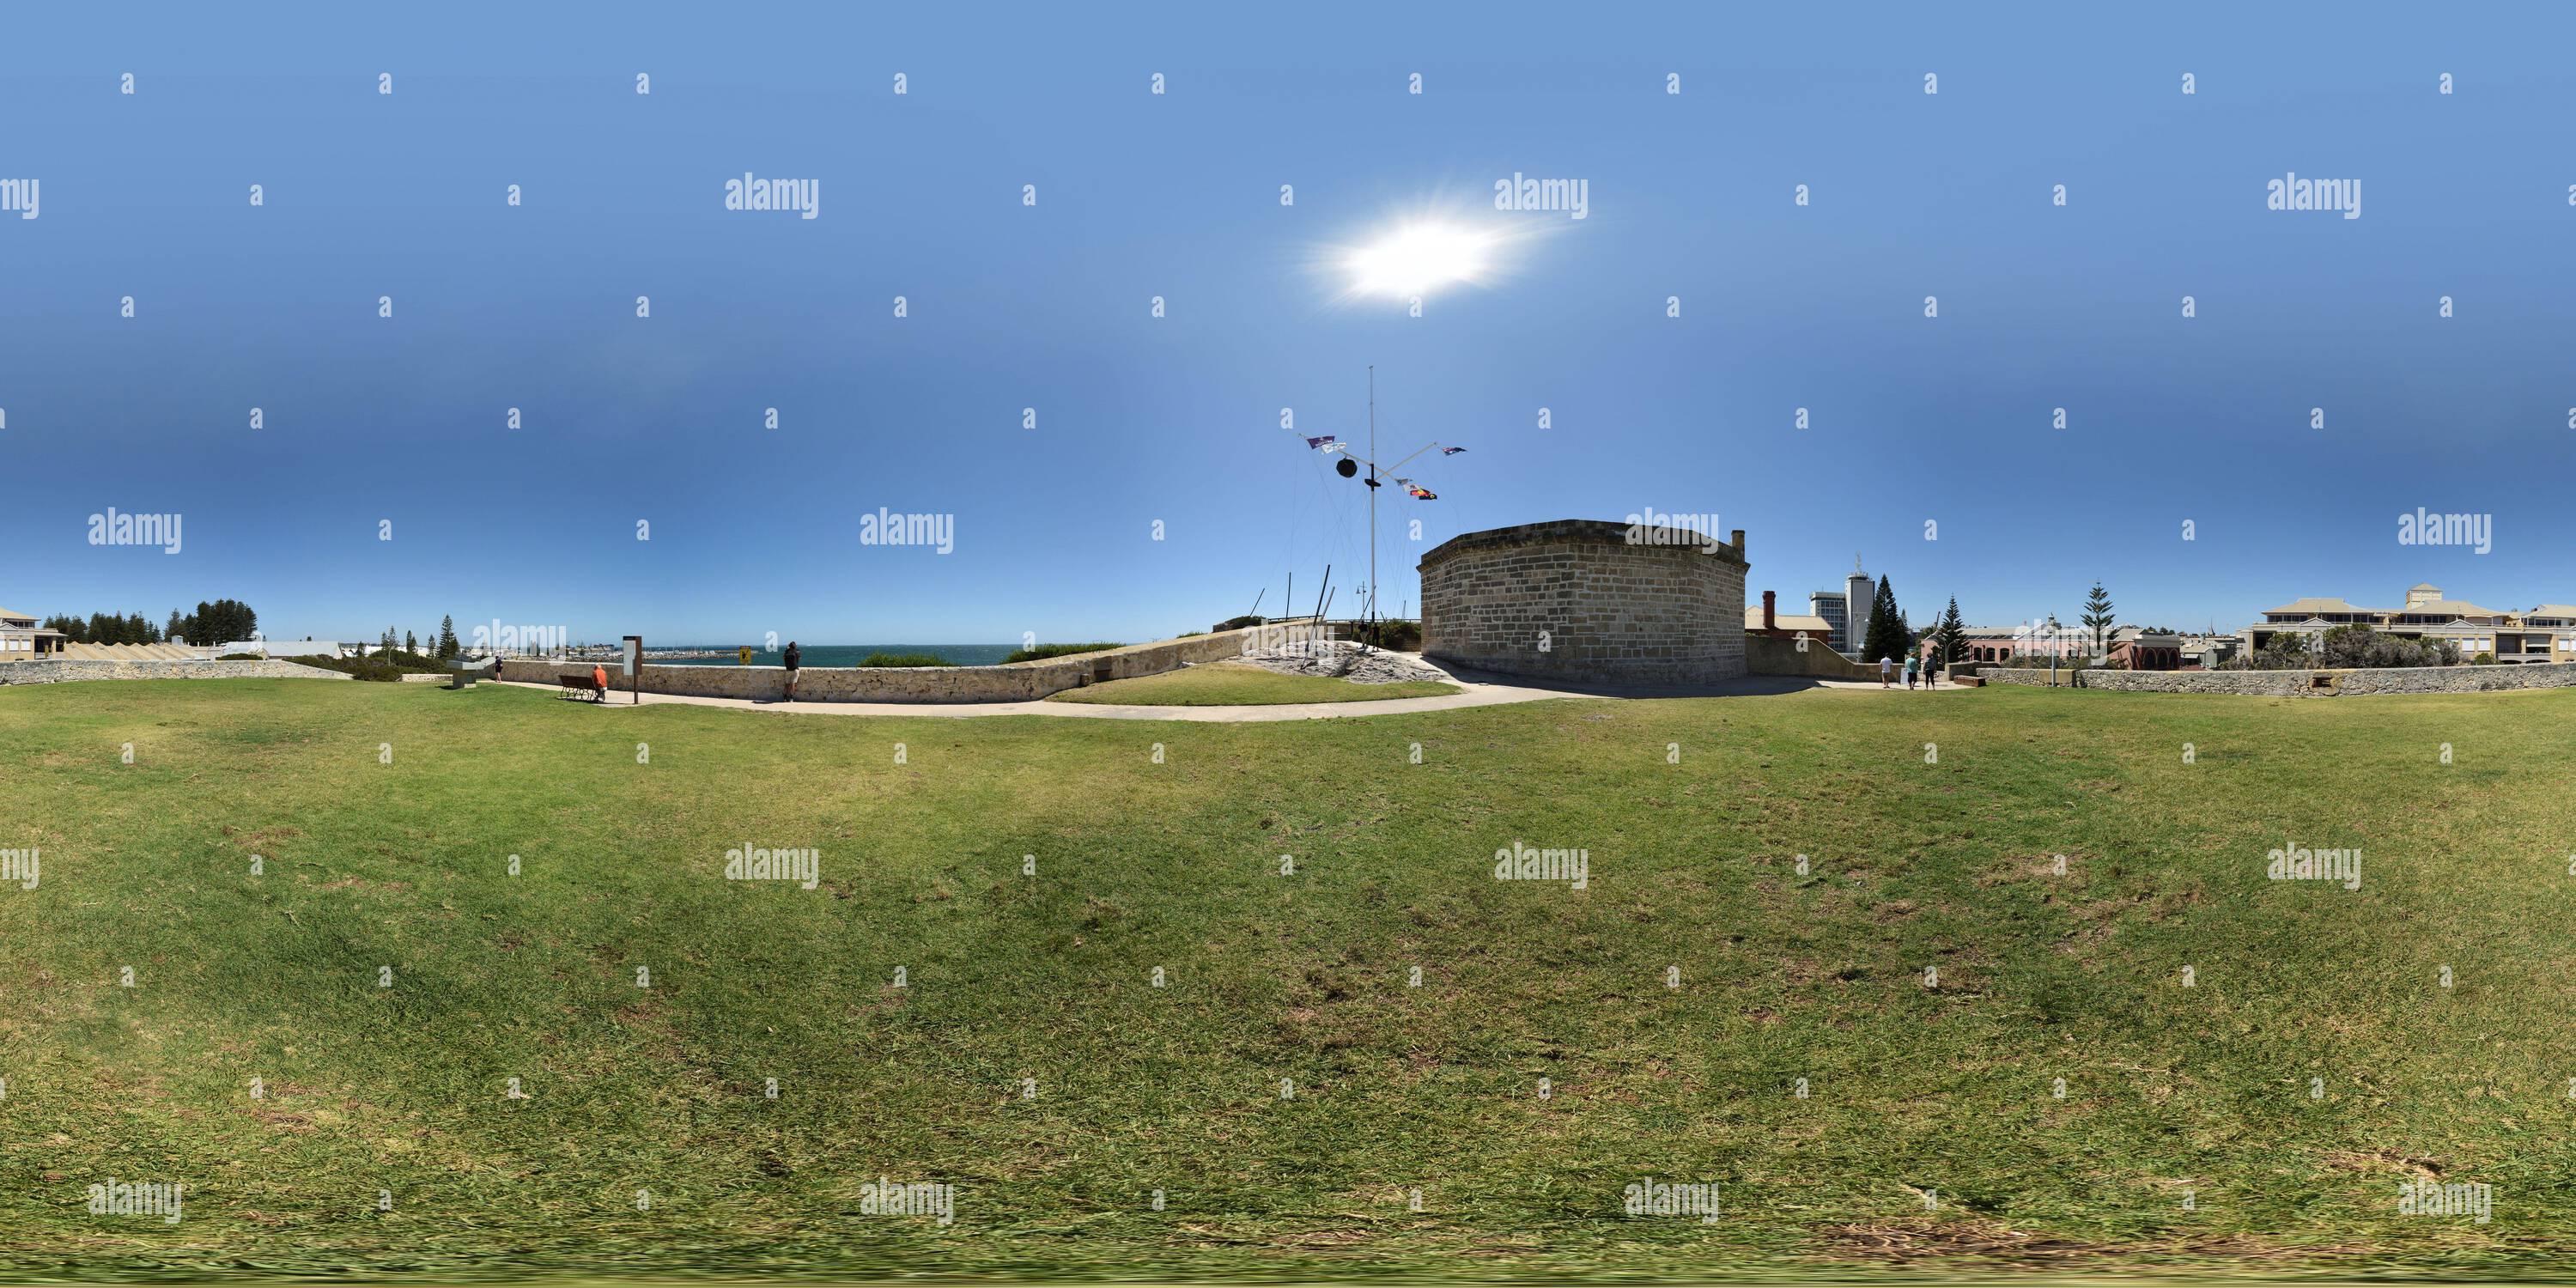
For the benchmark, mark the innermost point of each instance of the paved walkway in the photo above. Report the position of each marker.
(1480, 692)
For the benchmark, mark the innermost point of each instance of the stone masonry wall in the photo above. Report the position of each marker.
(65, 672)
(1771, 655)
(1574, 600)
(1011, 682)
(2304, 684)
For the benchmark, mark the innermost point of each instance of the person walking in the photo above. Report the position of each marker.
(1886, 670)
(1911, 663)
(795, 658)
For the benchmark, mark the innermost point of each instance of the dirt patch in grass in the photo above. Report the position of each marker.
(1996, 1242)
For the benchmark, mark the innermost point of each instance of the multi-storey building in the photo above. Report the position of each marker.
(23, 639)
(2546, 633)
(1846, 611)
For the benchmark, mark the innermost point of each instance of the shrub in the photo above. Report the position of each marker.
(1397, 633)
(241, 657)
(2349, 646)
(904, 659)
(1057, 650)
(376, 666)
(1238, 623)
(2483, 659)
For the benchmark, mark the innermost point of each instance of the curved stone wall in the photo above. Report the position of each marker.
(1587, 602)
(1010, 682)
(60, 672)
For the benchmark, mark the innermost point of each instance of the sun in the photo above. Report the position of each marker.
(1418, 258)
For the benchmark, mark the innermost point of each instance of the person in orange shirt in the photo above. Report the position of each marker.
(599, 676)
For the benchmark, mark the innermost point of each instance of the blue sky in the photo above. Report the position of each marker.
(1175, 419)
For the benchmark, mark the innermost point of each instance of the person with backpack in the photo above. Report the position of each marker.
(795, 658)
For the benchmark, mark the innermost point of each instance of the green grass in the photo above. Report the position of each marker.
(1158, 846)
(1227, 685)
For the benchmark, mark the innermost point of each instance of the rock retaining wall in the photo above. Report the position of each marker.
(67, 671)
(1771, 655)
(1010, 682)
(2307, 684)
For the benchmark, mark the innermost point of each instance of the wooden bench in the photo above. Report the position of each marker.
(581, 682)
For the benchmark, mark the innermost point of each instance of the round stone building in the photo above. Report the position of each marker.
(1587, 602)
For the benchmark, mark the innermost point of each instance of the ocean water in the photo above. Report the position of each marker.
(839, 654)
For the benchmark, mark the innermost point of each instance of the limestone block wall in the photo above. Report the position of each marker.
(66, 671)
(1012, 682)
(1771, 655)
(1577, 600)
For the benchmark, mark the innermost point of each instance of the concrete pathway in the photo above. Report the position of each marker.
(1481, 691)
(1482, 695)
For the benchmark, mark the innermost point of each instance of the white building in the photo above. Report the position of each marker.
(287, 648)
(22, 639)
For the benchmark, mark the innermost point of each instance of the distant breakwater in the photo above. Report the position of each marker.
(831, 654)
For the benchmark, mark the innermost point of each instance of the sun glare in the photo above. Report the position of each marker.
(1417, 259)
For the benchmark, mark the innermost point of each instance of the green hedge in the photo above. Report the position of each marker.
(1057, 650)
(378, 665)
(904, 659)
(1400, 634)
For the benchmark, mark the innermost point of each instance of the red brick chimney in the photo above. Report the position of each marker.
(1770, 601)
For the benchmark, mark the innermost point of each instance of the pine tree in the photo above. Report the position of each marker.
(1950, 638)
(179, 629)
(447, 647)
(411, 643)
(2097, 616)
(1887, 634)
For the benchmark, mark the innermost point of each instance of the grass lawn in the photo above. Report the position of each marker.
(1225, 684)
(932, 1013)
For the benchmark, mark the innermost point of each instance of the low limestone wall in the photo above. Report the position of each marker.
(2457, 679)
(66, 672)
(1771, 655)
(1012, 682)
(2304, 684)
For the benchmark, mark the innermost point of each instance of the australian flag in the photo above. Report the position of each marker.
(1326, 441)
(1451, 451)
